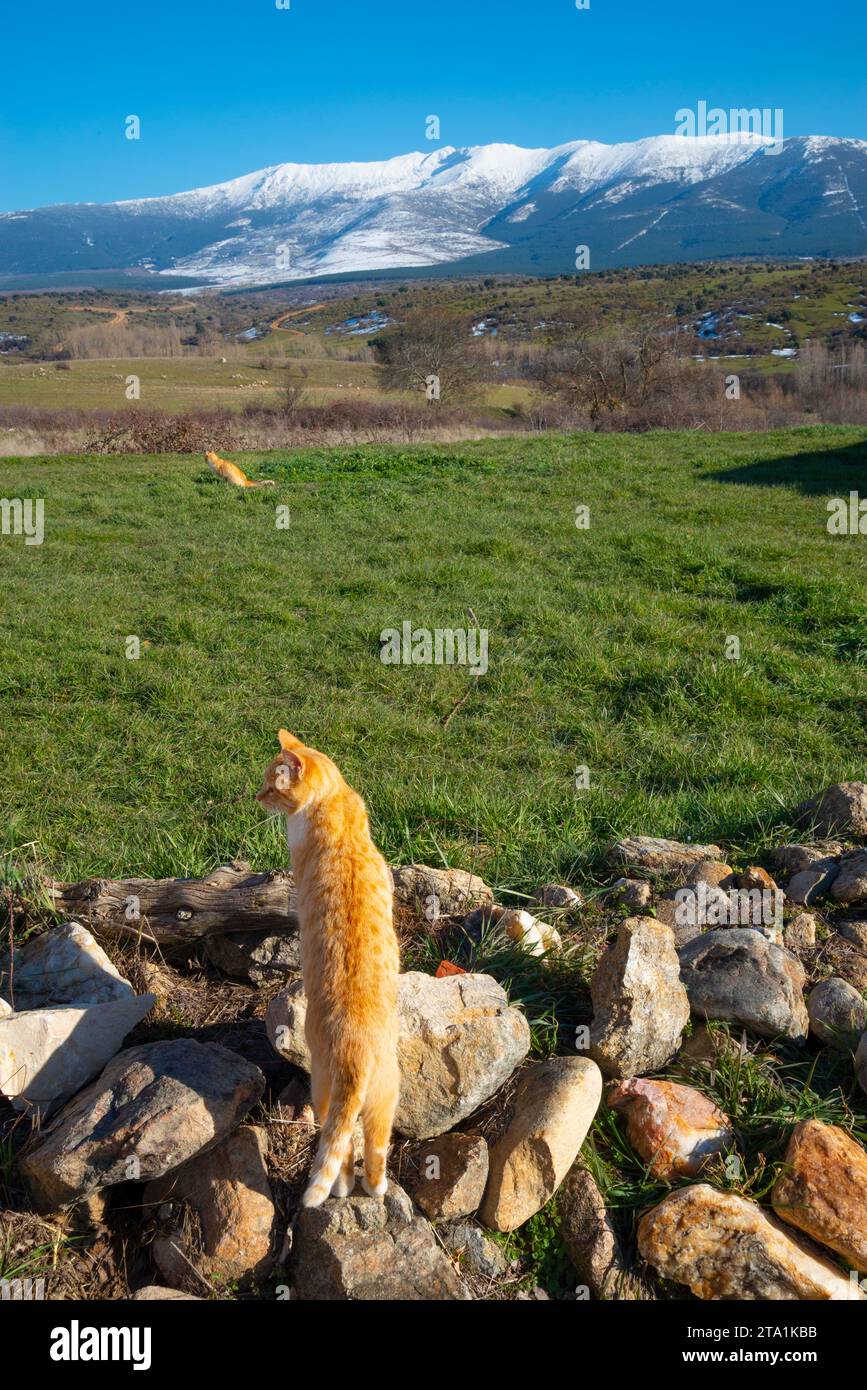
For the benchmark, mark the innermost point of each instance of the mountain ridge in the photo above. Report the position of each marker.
(498, 207)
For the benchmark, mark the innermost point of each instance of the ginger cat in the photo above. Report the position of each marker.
(231, 473)
(349, 960)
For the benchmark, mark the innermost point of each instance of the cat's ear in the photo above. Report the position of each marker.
(288, 740)
(290, 767)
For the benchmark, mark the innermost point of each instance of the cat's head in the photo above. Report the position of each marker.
(211, 456)
(297, 777)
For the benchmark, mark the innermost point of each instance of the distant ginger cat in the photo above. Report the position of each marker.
(231, 473)
(349, 960)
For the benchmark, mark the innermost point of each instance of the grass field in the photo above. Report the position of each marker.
(606, 647)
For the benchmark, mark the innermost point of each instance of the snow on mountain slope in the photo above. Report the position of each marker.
(668, 196)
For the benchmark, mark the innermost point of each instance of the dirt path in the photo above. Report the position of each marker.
(293, 314)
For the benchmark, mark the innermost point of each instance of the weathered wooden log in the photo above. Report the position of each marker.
(175, 911)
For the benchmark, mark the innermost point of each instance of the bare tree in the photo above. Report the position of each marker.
(433, 353)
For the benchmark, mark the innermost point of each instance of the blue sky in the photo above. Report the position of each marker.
(223, 87)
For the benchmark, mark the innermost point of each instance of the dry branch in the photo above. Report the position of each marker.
(174, 911)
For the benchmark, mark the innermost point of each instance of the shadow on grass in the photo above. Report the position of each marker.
(819, 472)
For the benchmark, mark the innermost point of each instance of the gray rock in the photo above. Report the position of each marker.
(840, 809)
(791, 859)
(838, 1013)
(850, 884)
(438, 891)
(258, 957)
(152, 1108)
(856, 932)
(370, 1249)
(736, 973)
(811, 883)
(658, 856)
(64, 966)
(632, 893)
(640, 1008)
(46, 1055)
(477, 1253)
(800, 934)
(459, 1039)
(453, 1171)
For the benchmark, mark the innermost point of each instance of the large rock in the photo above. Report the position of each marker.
(850, 884)
(724, 1247)
(5, 1009)
(838, 1013)
(588, 1234)
(258, 957)
(439, 891)
(48, 1054)
(675, 1129)
(792, 859)
(453, 1172)
(854, 931)
(640, 1008)
(813, 882)
(823, 1189)
(552, 1110)
(839, 810)
(657, 856)
(152, 1108)
(799, 934)
(64, 966)
(215, 1215)
(459, 1039)
(738, 974)
(370, 1248)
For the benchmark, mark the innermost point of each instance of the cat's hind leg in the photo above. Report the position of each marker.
(345, 1180)
(377, 1116)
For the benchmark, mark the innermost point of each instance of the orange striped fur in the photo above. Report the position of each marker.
(350, 963)
(231, 473)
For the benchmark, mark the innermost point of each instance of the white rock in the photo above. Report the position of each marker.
(65, 966)
(536, 937)
(46, 1055)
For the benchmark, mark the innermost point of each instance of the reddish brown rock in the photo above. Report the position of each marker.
(453, 1171)
(823, 1189)
(756, 877)
(215, 1215)
(674, 1128)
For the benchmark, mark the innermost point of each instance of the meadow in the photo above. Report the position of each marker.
(607, 648)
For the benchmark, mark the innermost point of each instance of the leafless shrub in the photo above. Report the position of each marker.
(431, 345)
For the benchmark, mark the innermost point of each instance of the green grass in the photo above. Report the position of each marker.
(606, 648)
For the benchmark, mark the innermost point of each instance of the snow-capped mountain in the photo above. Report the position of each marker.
(489, 208)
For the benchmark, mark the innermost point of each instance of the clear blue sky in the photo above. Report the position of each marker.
(224, 87)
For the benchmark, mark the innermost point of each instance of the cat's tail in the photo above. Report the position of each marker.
(343, 1111)
(266, 482)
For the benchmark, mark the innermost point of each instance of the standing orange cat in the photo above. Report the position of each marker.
(349, 959)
